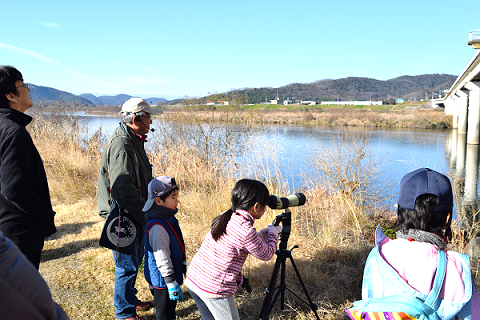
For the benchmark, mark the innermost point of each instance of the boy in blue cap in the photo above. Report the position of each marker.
(164, 246)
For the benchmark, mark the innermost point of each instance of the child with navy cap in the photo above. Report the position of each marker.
(164, 246)
(408, 264)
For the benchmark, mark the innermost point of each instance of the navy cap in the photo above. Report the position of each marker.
(425, 181)
(157, 187)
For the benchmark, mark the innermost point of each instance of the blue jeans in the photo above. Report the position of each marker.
(126, 269)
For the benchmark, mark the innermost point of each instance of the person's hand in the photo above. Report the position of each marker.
(276, 230)
(174, 291)
(263, 234)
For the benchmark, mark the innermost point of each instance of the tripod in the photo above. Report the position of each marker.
(282, 255)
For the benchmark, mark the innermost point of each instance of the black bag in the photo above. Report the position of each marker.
(120, 230)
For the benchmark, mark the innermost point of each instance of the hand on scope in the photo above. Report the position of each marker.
(263, 234)
(276, 230)
(174, 291)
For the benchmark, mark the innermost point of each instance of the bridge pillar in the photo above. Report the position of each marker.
(471, 174)
(453, 104)
(453, 151)
(473, 112)
(448, 107)
(461, 152)
(462, 106)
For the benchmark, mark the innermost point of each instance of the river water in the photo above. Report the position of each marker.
(399, 151)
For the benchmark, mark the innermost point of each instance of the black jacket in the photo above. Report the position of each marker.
(26, 212)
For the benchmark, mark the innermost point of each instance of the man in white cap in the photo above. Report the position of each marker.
(125, 172)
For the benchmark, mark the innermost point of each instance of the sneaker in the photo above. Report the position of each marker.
(132, 318)
(143, 305)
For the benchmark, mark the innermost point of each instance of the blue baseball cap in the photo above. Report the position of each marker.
(425, 181)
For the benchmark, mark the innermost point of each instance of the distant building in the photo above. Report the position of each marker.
(353, 103)
(308, 103)
(273, 101)
(287, 102)
(218, 103)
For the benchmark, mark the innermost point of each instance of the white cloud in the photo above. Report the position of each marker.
(54, 62)
(49, 24)
(146, 68)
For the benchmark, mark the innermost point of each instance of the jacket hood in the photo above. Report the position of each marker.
(159, 212)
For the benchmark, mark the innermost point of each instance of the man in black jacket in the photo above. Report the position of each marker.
(26, 214)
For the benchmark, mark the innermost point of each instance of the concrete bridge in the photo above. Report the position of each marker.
(463, 101)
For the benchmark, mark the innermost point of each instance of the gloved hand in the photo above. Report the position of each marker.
(263, 234)
(174, 291)
(276, 230)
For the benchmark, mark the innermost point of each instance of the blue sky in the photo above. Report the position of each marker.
(183, 48)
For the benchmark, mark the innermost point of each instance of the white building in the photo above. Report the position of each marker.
(353, 103)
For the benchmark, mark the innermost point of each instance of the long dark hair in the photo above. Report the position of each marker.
(424, 217)
(245, 194)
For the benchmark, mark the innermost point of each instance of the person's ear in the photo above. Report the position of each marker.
(158, 201)
(11, 97)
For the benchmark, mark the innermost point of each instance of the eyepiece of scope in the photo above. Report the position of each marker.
(296, 199)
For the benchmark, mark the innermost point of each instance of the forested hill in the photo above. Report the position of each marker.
(352, 88)
(45, 95)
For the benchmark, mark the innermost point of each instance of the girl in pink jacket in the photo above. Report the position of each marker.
(215, 272)
(408, 264)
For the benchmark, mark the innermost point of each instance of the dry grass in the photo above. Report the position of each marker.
(399, 116)
(330, 256)
(424, 118)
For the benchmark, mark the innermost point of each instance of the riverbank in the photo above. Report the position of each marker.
(405, 115)
(333, 231)
(410, 118)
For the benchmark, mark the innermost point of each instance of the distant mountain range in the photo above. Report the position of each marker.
(351, 88)
(117, 100)
(47, 96)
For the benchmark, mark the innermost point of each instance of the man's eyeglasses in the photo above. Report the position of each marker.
(25, 85)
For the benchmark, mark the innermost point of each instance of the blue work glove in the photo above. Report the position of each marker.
(174, 291)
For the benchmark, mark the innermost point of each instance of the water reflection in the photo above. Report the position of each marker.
(401, 150)
(464, 166)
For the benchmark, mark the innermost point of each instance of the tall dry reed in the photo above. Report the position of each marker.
(204, 160)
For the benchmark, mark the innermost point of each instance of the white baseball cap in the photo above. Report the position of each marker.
(134, 105)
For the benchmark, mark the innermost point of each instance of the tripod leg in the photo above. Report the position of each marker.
(282, 284)
(266, 308)
(312, 305)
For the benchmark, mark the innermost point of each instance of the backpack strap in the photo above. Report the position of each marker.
(432, 299)
(137, 164)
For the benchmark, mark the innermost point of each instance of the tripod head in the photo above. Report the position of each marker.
(286, 219)
(296, 199)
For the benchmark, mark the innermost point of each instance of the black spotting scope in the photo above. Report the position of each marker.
(296, 199)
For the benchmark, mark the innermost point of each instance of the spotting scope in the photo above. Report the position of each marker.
(296, 199)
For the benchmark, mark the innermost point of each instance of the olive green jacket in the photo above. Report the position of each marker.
(121, 182)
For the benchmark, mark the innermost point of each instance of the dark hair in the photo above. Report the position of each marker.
(245, 194)
(165, 195)
(8, 76)
(424, 217)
